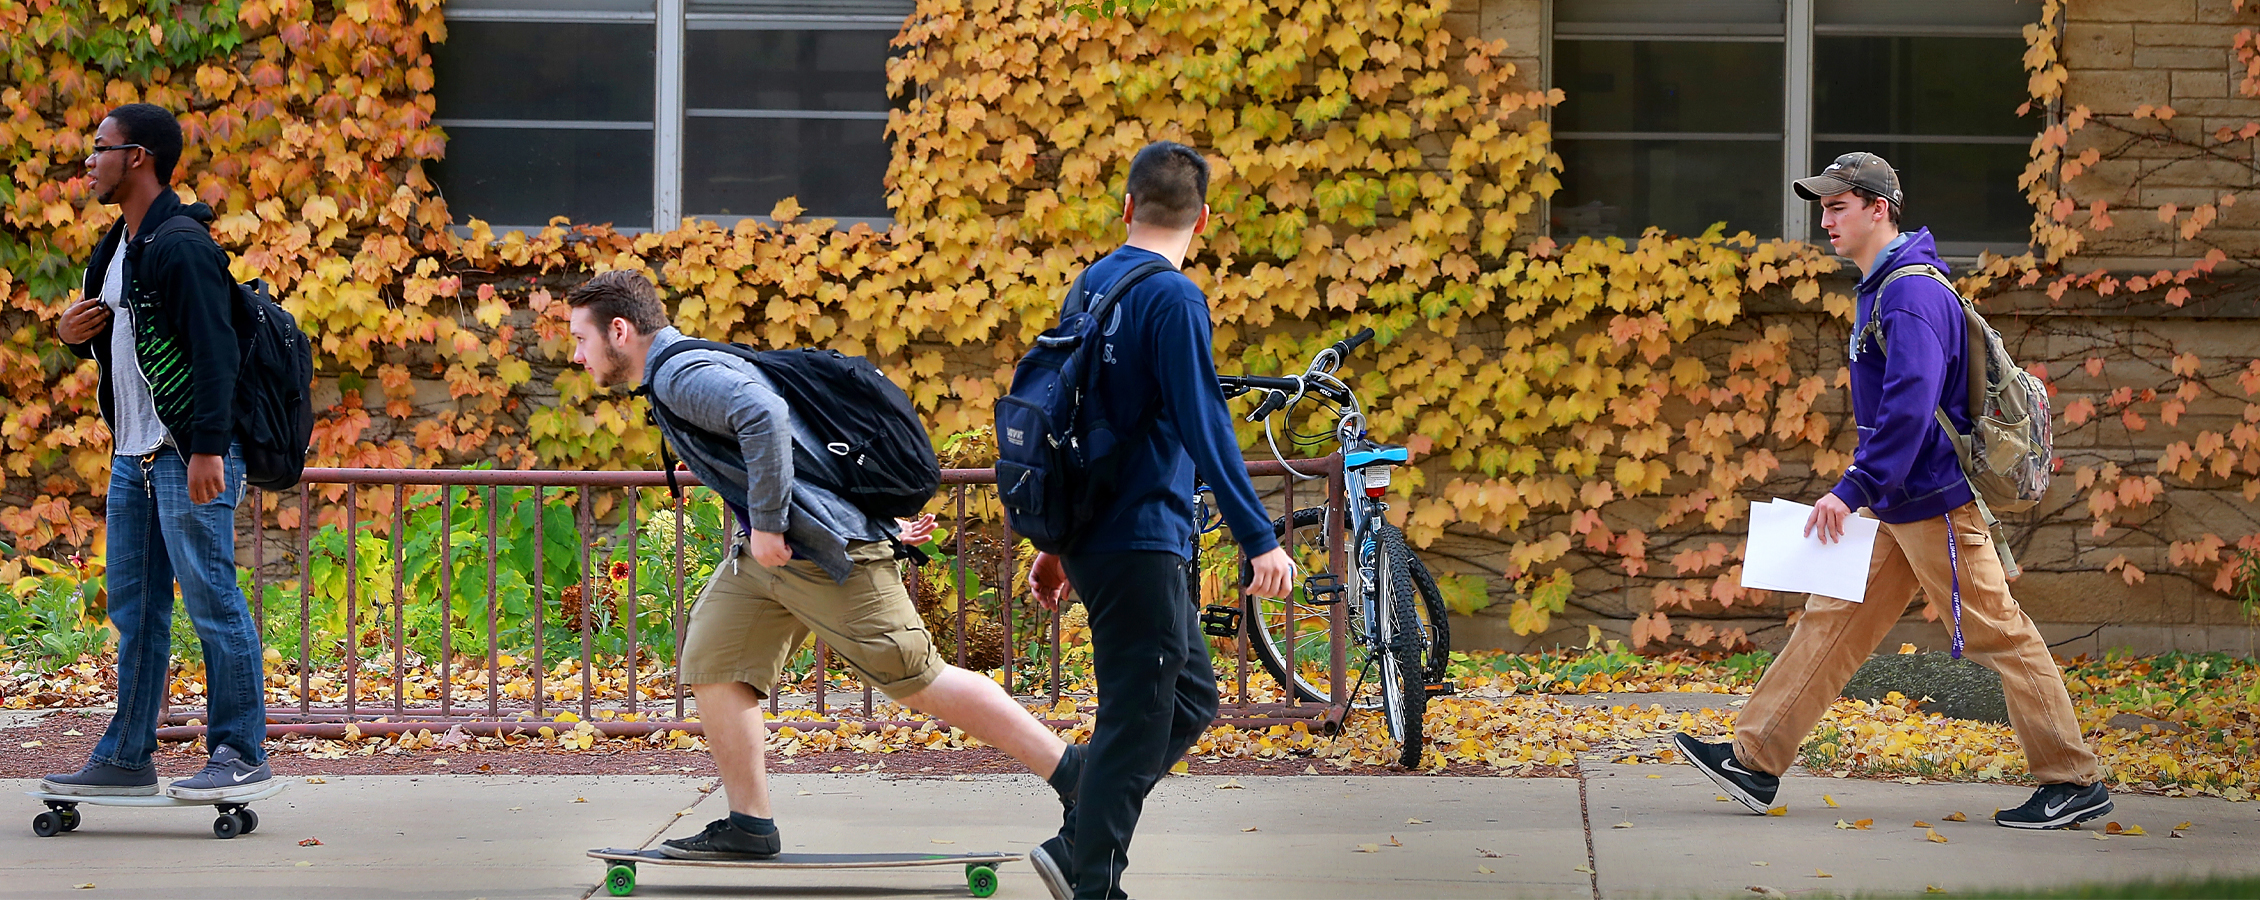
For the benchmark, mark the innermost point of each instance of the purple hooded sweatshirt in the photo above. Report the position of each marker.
(1905, 469)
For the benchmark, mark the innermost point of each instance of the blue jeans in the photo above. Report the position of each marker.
(157, 537)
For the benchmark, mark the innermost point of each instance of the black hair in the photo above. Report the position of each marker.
(621, 294)
(156, 131)
(1868, 198)
(1168, 185)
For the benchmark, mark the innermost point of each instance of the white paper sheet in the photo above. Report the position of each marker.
(1781, 558)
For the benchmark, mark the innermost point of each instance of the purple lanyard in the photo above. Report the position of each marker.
(1954, 558)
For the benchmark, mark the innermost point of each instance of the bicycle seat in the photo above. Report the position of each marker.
(1357, 458)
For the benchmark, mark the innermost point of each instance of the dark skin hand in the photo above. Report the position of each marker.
(207, 476)
(84, 321)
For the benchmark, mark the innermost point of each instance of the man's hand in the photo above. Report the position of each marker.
(768, 548)
(207, 476)
(84, 321)
(1047, 579)
(1828, 516)
(915, 531)
(1274, 574)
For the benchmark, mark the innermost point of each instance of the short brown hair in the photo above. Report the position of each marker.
(1168, 185)
(1868, 198)
(621, 294)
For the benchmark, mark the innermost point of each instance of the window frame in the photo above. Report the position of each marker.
(671, 21)
(1799, 32)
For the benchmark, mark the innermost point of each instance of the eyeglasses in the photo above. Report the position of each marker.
(100, 149)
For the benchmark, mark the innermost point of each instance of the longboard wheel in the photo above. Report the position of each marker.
(980, 881)
(47, 824)
(70, 819)
(620, 880)
(226, 826)
(250, 820)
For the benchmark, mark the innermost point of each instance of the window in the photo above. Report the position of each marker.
(642, 113)
(1685, 114)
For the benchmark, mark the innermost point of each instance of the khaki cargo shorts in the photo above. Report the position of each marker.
(751, 618)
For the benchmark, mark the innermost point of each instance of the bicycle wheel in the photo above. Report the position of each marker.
(1269, 619)
(1404, 687)
(1435, 618)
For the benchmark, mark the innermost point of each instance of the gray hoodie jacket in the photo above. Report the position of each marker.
(742, 448)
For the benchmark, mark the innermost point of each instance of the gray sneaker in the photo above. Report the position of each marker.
(101, 779)
(226, 777)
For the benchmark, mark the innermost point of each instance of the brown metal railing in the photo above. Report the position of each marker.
(307, 718)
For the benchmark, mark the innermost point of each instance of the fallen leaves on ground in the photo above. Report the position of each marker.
(1830, 800)
(1932, 835)
(310, 842)
(1956, 817)
(1861, 825)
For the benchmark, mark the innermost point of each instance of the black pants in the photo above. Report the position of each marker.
(1157, 694)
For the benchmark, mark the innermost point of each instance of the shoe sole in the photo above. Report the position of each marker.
(1048, 872)
(1724, 783)
(231, 792)
(81, 790)
(2066, 820)
(714, 855)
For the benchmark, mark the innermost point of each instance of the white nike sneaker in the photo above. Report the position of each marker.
(226, 777)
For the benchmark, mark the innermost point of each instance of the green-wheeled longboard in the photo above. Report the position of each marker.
(235, 818)
(980, 868)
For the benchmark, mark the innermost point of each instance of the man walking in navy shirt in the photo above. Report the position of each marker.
(1156, 689)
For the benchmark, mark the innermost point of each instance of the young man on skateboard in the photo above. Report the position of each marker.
(1905, 473)
(800, 559)
(1156, 690)
(158, 316)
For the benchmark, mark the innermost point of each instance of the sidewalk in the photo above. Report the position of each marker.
(523, 836)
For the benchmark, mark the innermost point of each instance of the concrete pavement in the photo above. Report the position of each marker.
(1295, 836)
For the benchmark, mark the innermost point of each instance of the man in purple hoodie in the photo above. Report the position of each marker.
(1933, 537)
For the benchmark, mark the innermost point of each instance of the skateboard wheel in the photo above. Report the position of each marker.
(980, 881)
(226, 826)
(250, 820)
(620, 880)
(47, 824)
(70, 819)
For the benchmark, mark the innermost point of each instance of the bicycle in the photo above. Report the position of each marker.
(1396, 613)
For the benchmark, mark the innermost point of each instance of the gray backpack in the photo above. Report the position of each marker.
(2010, 452)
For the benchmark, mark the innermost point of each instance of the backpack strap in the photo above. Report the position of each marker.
(1973, 354)
(659, 411)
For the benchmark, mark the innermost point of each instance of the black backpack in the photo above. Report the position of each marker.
(880, 458)
(274, 384)
(274, 418)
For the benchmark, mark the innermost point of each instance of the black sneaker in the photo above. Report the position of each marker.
(2057, 806)
(1049, 859)
(226, 776)
(101, 779)
(722, 840)
(1753, 788)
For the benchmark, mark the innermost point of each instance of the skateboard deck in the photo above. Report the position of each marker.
(235, 817)
(980, 868)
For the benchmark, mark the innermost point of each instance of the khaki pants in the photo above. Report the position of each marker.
(1834, 637)
(752, 618)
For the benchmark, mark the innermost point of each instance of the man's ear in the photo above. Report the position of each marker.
(1129, 207)
(1201, 224)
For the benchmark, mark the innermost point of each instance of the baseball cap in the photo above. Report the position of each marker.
(1857, 169)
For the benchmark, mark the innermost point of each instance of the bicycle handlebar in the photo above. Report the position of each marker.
(1344, 347)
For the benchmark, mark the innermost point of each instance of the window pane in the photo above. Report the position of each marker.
(538, 70)
(828, 70)
(1963, 192)
(569, 6)
(523, 176)
(1664, 14)
(1919, 85)
(742, 167)
(1622, 187)
(2010, 14)
(899, 9)
(1668, 86)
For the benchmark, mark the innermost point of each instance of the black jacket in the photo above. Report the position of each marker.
(184, 315)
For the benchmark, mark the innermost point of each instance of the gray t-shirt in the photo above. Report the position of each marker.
(136, 430)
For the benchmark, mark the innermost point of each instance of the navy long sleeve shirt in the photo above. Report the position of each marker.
(1156, 381)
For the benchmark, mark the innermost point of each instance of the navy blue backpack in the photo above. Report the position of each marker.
(1055, 459)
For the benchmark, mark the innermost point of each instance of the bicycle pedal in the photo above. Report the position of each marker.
(1221, 621)
(1322, 588)
(1441, 689)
